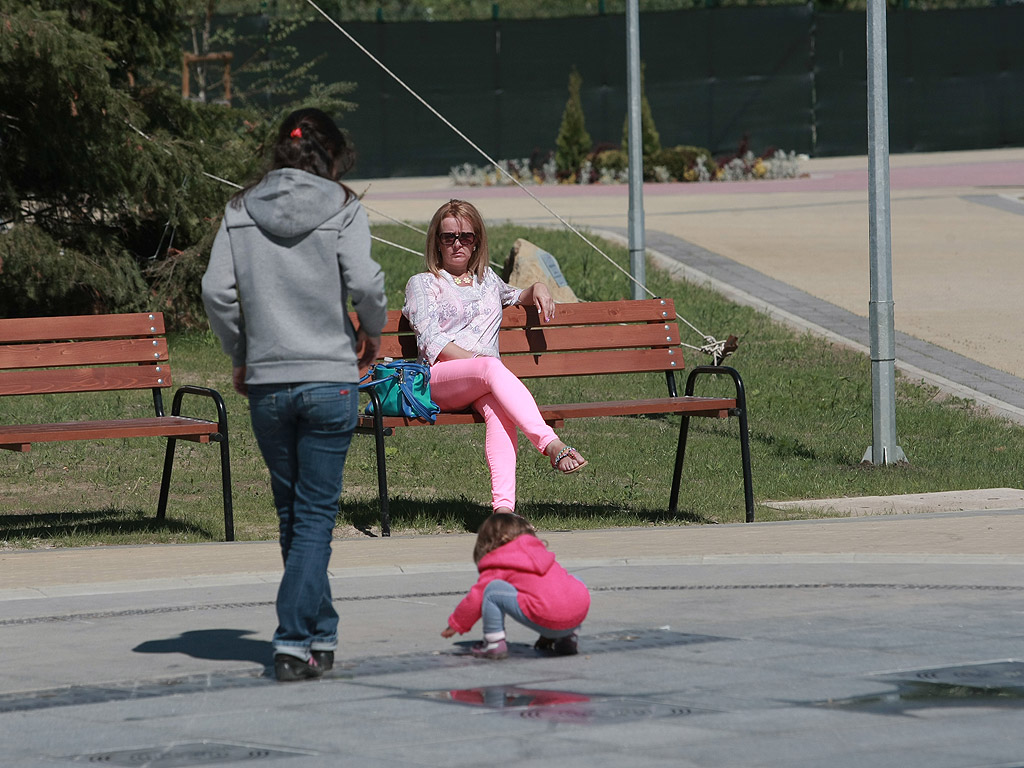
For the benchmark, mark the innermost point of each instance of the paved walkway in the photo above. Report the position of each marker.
(882, 640)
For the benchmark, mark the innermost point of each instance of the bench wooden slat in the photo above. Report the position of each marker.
(593, 312)
(365, 423)
(560, 339)
(398, 347)
(151, 426)
(590, 363)
(583, 313)
(717, 407)
(593, 337)
(38, 329)
(52, 380)
(119, 351)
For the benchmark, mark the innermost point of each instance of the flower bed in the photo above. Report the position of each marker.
(610, 168)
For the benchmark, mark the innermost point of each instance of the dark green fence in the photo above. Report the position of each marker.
(788, 77)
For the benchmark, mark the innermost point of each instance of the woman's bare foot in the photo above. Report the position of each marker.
(564, 458)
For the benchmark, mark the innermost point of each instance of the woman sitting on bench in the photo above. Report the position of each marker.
(455, 309)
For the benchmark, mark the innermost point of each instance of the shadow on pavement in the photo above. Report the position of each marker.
(213, 644)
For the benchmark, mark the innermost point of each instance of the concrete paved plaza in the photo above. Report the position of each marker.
(882, 641)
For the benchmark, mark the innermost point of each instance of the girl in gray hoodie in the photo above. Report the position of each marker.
(292, 252)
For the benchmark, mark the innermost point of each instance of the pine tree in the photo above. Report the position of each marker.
(105, 171)
(573, 143)
(650, 140)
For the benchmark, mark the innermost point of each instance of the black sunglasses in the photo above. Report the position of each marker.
(449, 238)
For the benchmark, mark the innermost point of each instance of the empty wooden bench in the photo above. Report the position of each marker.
(105, 353)
(585, 339)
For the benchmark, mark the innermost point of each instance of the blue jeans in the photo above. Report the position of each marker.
(501, 599)
(303, 431)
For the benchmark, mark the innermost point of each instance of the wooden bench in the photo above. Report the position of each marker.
(585, 339)
(105, 353)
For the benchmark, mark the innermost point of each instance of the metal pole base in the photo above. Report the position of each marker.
(893, 456)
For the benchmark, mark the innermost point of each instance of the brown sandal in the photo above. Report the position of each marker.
(565, 453)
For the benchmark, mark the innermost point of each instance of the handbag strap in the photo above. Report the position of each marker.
(407, 365)
(425, 413)
(400, 367)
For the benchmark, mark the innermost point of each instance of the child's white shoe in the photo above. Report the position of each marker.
(494, 650)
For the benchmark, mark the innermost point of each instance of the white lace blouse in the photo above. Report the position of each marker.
(442, 312)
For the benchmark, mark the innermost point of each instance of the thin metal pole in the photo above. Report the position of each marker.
(637, 245)
(883, 449)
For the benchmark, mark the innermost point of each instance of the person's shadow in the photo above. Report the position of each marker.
(213, 644)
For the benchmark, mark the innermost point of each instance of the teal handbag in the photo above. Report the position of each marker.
(402, 388)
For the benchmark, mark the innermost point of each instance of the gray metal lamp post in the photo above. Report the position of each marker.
(883, 449)
(637, 245)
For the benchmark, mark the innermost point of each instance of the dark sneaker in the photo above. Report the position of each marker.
(288, 668)
(544, 644)
(566, 646)
(485, 650)
(324, 660)
(561, 646)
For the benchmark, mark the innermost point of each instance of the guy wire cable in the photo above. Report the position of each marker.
(239, 186)
(713, 346)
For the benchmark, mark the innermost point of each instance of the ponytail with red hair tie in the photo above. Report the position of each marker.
(296, 133)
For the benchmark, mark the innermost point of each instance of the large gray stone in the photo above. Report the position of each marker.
(527, 264)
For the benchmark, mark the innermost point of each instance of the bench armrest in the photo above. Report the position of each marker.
(739, 411)
(191, 389)
(711, 370)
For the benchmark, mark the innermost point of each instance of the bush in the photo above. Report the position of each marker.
(177, 284)
(651, 140)
(612, 160)
(779, 165)
(40, 276)
(573, 142)
(681, 162)
(610, 166)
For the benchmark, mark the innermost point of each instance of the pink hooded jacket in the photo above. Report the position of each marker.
(548, 594)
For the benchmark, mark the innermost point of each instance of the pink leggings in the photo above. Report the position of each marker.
(492, 390)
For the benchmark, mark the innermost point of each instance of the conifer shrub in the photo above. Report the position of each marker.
(573, 143)
(651, 140)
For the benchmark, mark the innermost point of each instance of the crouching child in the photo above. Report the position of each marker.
(519, 577)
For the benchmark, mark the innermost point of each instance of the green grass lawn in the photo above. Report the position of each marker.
(810, 419)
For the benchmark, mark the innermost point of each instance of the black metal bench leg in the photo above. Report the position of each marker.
(382, 467)
(673, 500)
(225, 480)
(165, 481)
(739, 411)
(221, 436)
(748, 483)
(225, 477)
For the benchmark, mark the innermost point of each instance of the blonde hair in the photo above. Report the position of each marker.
(457, 209)
(498, 529)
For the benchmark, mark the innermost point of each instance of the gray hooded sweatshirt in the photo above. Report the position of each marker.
(282, 270)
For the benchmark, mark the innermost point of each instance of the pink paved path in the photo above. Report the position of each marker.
(980, 174)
